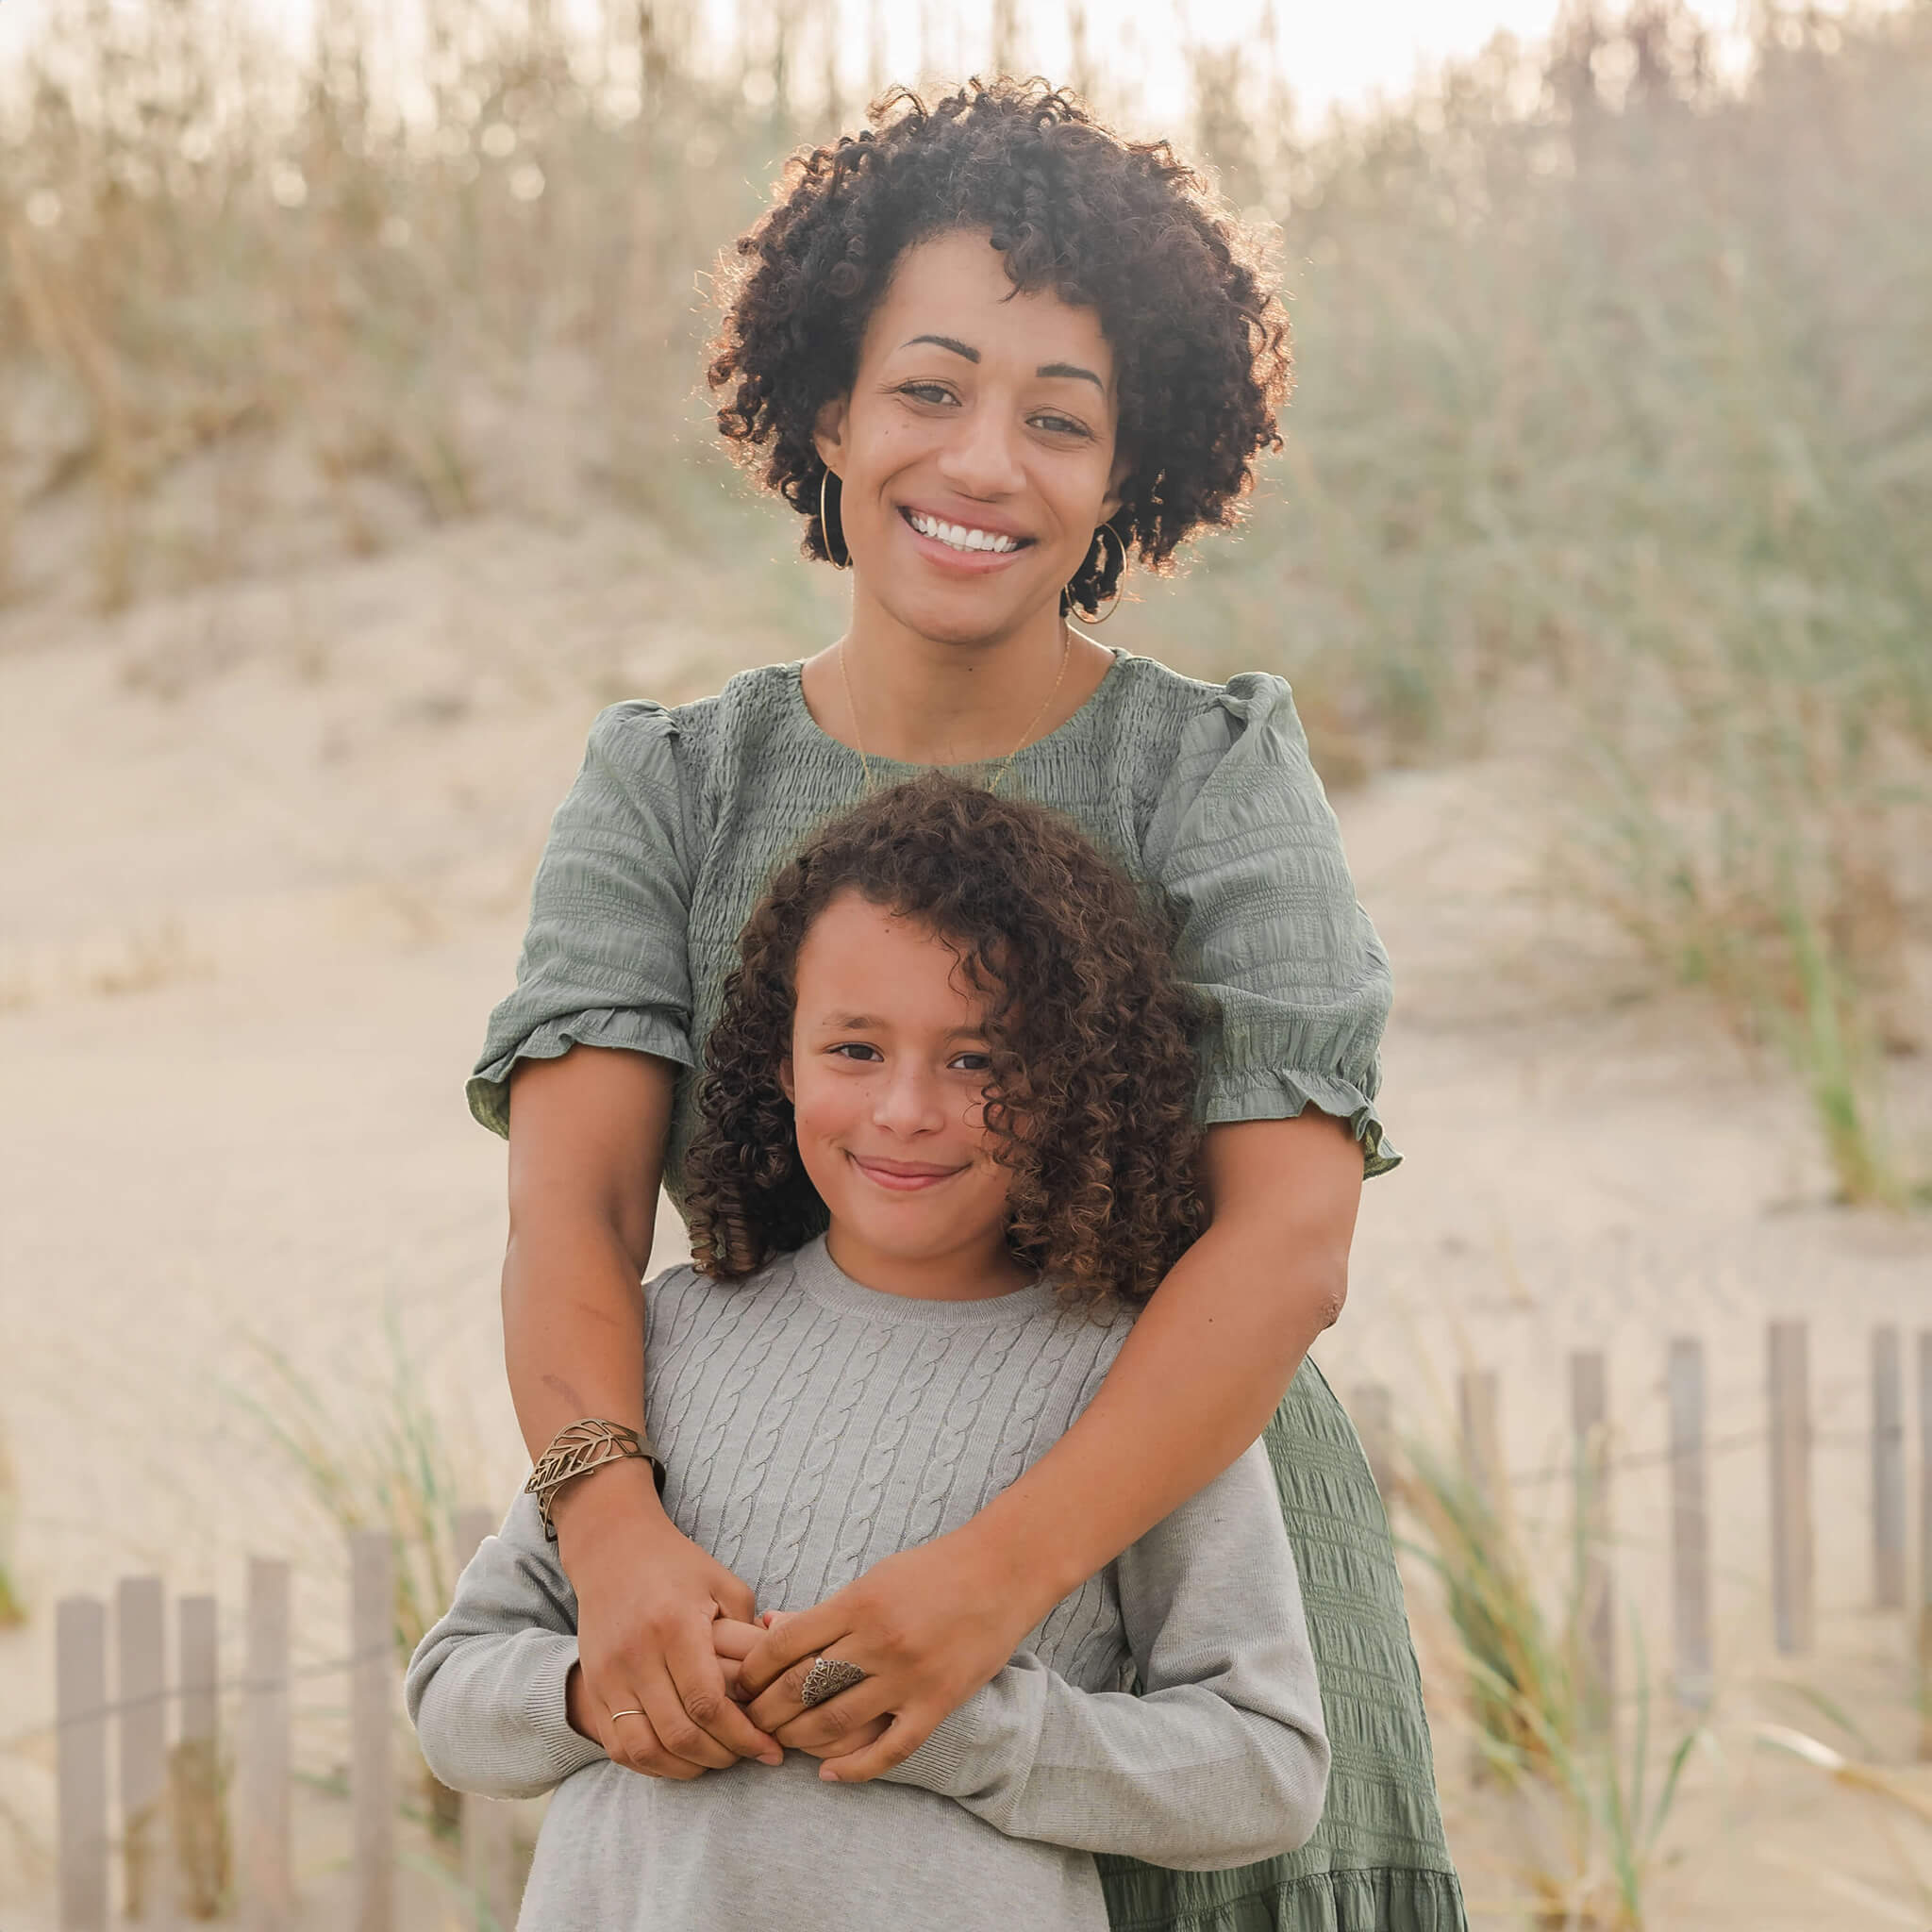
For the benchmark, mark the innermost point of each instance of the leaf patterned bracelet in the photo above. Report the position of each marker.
(582, 1447)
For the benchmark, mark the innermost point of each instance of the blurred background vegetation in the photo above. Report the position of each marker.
(1612, 447)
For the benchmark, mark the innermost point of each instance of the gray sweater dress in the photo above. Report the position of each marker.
(812, 1426)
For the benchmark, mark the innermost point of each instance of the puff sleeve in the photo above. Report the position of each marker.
(605, 958)
(1245, 843)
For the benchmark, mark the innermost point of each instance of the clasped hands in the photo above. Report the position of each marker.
(672, 1641)
(822, 1731)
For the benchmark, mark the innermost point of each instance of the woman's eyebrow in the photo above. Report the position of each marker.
(1070, 370)
(959, 348)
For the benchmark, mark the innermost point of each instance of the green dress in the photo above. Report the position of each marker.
(659, 852)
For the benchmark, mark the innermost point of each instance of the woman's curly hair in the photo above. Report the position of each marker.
(1089, 1028)
(1200, 338)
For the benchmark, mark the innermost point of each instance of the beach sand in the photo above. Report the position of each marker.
(266, 854)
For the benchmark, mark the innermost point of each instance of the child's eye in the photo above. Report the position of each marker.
(857, 1050)
(973, 1062)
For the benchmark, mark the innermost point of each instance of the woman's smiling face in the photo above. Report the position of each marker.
(976, 451)
(887, 1079)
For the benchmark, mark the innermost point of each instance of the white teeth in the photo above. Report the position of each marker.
(957, 537)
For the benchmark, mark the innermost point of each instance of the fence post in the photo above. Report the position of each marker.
(1924, 1645)
(1888, 1474)
(1590, 1423)
(1690, 1524)
(80, 1713)
(488, 1871)
(1482, 1437)
(1373, 1409)
(197, 1638)
(1792, 1565)
(139, 1695)
(200, 1831)
(372, 1762)
(263, 1784)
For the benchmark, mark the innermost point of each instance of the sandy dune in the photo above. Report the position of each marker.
(264, 856)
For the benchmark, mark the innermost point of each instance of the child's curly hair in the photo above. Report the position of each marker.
(1088, 1027)
(1125, 227)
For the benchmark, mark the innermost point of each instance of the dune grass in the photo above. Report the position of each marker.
(12, 1602)
(380, 1460)
(1614, 428)
(1645, 477)
(1902, 1810)
(1591, 1793)
(383, 1460)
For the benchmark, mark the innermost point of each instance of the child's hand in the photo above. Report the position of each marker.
(733, 1642)
(859, 1739)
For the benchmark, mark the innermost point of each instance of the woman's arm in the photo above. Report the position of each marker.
(587, 1135)
(1208, 1361)
(1223, 1760)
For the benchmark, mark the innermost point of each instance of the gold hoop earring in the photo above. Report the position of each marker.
(825, 528)
(1113, 604)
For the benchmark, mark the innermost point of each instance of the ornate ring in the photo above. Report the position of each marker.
(826, 1679)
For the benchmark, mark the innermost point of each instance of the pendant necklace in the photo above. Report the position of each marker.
(1005, 764)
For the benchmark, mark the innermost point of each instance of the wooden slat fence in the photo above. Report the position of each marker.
(175, 1802)
(1788, 1441)
(165, 1826)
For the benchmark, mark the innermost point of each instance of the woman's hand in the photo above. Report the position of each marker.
(928, 1626)
(736, 1642)
(647, 1597)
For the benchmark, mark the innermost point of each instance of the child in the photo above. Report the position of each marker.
(946, 1145)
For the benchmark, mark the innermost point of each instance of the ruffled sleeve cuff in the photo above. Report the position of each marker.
(1273, 936)
(1258, 1095)
(634, 1029)
(604, 960)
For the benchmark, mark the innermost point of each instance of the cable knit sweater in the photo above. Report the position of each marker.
(811, 1426)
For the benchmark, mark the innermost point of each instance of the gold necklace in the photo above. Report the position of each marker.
(1007, 763)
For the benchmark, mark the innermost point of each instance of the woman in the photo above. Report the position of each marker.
(919, 1243)
(986, 350)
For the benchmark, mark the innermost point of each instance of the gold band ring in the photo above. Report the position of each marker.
(616, 1714)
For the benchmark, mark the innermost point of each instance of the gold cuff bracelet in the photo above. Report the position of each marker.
(575, 1451)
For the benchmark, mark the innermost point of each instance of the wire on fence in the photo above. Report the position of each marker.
(1660, 1459)
(297, 1673)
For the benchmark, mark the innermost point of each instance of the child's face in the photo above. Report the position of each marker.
(887, 1079)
